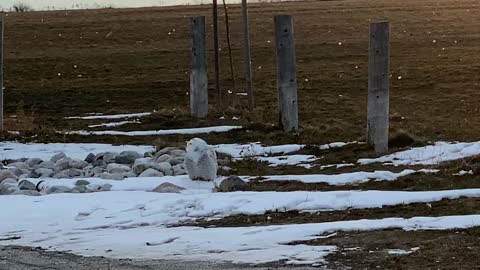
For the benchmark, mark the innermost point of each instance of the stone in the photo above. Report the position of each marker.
(141, 167)
(58, 189)
(4, 174)
(168, 188)
(178, 153)
(8, 181)
(109, 157)
(33, 161)
(106, 187)
(148, 155)
(62, 164)
(33, 174)
(223, 162)
(19, 165)
(90, 158)
(57, 157)
(166, 168)
(233, 183)
(129, 174)
(78, 164)
(26, 193)
(69, 173)
(164, 158)
(111, 176)
(17, 172)
(96, 171)
(27, 185)
(43, 172)
(165, 150)
(46, 164)
(8, 186)
(117, 168)
(82, 182)
(127, 157)
(100, 163)
(151, 173)
(175, 161)
(179, 170)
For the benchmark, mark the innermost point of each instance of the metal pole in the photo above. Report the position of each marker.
(1, 75)
(248, 60)
(215, 45)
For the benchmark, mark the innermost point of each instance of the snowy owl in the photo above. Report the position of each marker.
(200, 160)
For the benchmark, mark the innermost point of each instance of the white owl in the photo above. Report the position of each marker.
(200, 160)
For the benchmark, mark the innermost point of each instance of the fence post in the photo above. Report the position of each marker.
(286, 72)
(247, 56)
(1, 75)
(198, 75)
(378, 87)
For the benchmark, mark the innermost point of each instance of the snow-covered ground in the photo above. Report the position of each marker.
(130, 221)
(14, 150)
(112, 116)
(156, 132)
(114, 124)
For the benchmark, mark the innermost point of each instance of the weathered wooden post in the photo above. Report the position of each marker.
(378, 87)
(286, 73)
(198, 75)
(1, 75)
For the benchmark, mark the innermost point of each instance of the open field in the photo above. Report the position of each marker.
(70, 63)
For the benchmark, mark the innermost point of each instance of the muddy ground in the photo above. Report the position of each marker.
(69, 63)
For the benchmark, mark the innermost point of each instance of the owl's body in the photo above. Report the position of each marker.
(200, 160)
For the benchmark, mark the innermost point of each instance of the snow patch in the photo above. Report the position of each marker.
(156, 132)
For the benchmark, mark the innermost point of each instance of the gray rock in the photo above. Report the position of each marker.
(8, 187)
(100, 163)
(96, 171)
(141, 167)
(106, 187)
(26, 193)
(33, 161)
(33, 174)
(109, 157)
(27, 185)
(151, 173)
(69, 173)
(164, 158)
(111, 176)
(166, 168)
(17, 171)
(148, 155)
(177, 153)
(127, 157)
(165, 150)
(62, 164)
(168, 188)
(179, 170)
(4, 174)
(46, 164)
(78, 164)
(8, 181)
(80, 189)
(175, 161)
(82, 182)
(118, 168)
(129, 174)
(57, 157)
(20, 165)
(58, 189)
(232, 183)
(90, 158)
(44, 172)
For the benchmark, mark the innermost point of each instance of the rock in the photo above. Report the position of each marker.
(96, 171)
(90, 158)
(151, 173)
(19, 165)
(62, 164)
(57, 157)
(58, 189)
(106, 187)
(27, 185)
(148, 155)
(82, 182)
(46, 164)
(129, 174)
(117, 168)
(78, 164)
(80, 189)
(223, 162)
(8, 181)
(17, 172)
(164, 158)
(168, 188)
(8, 186)
(175, 161)
(33, 174)
(100, 163)
(26, 193)
(111, 176)
(43, 172)
(141, 167)
(179, 170)
(165, 150)
(109, 157)
(33, 161)
(4, 174)
(127, 157)
(69, 173)
(178, 153)
(166, 168)
(232, 183)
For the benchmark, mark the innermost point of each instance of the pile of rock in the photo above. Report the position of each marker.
(108, 165)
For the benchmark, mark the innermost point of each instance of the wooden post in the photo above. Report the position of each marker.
(247, 56)
(198, 75)
(227, 28)
(378, 87)
(215, 46)
(286, 73)
(1, 75)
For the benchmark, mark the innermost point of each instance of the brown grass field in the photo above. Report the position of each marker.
(68, 63)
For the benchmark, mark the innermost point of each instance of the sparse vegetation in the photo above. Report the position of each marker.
(21, 7)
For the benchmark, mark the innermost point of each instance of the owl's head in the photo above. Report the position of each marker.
(196, 144)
